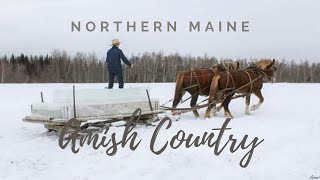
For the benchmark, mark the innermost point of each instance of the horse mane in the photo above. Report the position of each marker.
(265, 64)
(218, 68)
(224, 66)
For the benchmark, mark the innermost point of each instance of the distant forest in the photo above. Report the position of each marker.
(59, 67)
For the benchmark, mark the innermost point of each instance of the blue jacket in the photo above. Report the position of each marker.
(113, 59)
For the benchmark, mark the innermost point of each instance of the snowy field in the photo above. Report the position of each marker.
(288, 121)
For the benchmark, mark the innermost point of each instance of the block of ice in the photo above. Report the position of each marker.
(107, 109)
(47, 109)
(100, 96)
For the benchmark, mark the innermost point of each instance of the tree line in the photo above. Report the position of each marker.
(59, 67)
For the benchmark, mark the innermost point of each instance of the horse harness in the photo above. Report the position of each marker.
(261, 72)
(198, 83)
(250, 79)
(229, 75)
(193, 74)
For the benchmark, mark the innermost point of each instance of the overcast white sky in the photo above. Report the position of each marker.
(278, 28)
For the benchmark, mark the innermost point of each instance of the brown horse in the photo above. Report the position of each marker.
(197, 82)
(247, 81)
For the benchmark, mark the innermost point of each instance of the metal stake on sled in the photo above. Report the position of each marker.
(41, 97)
(149, 100)
(74, 102)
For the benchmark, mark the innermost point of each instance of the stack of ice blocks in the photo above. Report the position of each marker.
(95, 102)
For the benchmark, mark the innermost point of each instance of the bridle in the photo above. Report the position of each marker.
(265, 76)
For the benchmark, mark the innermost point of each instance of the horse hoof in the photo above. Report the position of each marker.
(219, 108)
(247, 113)
(253, 108)
(214, 110)
(229, 115)
(196, 115)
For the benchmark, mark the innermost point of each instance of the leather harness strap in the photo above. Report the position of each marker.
(197, 80)
(227, 80)
(229, 74)
(251, 84)
(195, 75)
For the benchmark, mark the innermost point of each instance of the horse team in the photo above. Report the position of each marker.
(221, 82)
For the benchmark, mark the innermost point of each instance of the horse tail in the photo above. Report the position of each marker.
(179, 90)
(214, 88)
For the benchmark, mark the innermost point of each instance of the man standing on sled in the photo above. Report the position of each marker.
(114, 63)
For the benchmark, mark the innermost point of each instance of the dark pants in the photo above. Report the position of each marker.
(111, 78)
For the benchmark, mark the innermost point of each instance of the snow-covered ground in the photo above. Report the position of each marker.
(288, 121)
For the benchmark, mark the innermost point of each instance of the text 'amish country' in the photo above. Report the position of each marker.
(179, 140)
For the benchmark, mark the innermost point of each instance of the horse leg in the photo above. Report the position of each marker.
(175, 103)
(210, 106)
(220, 107)
(176, 100)
(178, 91)
(226, 106)
(216, 109)
(212, 95)
(193, 103)
(261, 99)
(247, 104)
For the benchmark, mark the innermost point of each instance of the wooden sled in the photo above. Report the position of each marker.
(94, 109)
